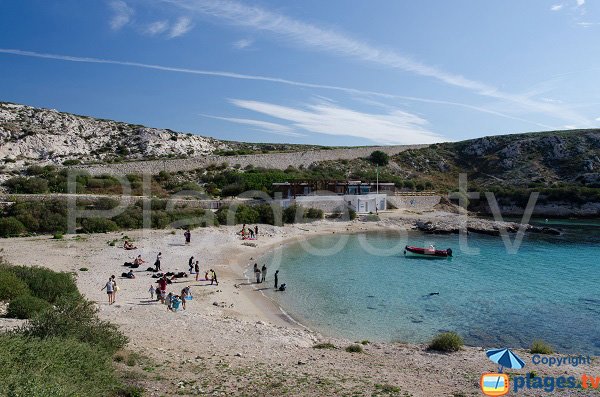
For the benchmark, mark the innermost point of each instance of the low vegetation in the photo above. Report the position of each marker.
(64, 337)
(540, 347)
(324, 345)
(354, 349)
(447, 342)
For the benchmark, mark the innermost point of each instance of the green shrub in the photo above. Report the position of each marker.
(447, 342)
(351, 214)
(365, 342)
(379, 158)
(71, 162)
(98, 225)
(540, 347)
(74, 317)
(58, 236)
(314, 213)
(45, 283)
(372, 218)
(11, 286)
(11, 227)
(26, 306)
(23, 185)
(53, 368)
(325, 345)
(354, 349)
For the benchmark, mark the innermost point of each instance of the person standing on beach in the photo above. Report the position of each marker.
(162, 285)
(197, 269)
(109, 286)
(157, 262)
(257, 273)
(184, 294)
(188, 236)
(256, 231)
(213, 277)
(276, 278)
(191, 264)
(115, 288)
(151, 290)
(263, 270)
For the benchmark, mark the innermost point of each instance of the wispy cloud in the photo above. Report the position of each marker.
(275, 80)
(580, 3)
(122, 14)
(557, 7)
(588, 24)
(155, 28)
(265, 126)
(181, 27)
(317, 38)
(243, 43)
(397, 127)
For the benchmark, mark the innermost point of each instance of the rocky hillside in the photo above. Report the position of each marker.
(522, 160)
(35, 135)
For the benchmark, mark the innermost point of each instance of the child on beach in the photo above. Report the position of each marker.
(151, 290)
(109, 291)
(169, 301)
(197, 269)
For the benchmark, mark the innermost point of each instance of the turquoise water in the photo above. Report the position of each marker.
(549, 289)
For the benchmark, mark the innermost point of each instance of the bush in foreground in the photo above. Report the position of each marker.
(540, 347)
(44, 283)
(70, 368)
(26, 306)
(73, 317)
(11, 286)
(447, 342)
(98, 225)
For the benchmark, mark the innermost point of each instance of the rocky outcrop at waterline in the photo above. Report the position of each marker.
(479, 226)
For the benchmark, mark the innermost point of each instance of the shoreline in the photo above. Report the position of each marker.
(247, 337)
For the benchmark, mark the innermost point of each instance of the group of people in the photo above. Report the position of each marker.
(172, 301)
(249, 233)
(261, 276)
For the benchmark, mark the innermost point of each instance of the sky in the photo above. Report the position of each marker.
(335, 72)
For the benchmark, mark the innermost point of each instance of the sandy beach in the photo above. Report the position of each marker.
(231, 339)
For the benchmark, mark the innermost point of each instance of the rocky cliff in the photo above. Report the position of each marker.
(35, 135)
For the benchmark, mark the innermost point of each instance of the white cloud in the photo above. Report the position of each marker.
(327, 40)
(272, 128)
(243, 43)
(557, 7)
(155, 28)
(181, 27)
(588, 24)
(597, 118)
(270, 79)
(396, 127)
(122, 14)
(580, 3)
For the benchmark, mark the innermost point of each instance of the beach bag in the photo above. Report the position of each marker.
(127, 264)
(150, 269)
(123, 274)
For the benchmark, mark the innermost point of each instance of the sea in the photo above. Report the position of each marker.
(494, 292)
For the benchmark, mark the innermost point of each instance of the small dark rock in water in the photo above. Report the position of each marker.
(433, 293)
(370, 296)
(544, 230)
(372, 308)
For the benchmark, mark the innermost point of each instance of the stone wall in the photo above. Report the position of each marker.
(418, 203)
(273, 160)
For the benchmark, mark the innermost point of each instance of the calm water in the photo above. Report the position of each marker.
(550, 289)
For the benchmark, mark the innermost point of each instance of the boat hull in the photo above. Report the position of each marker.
(426, 252)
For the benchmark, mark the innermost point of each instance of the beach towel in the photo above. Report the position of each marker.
(188, 298)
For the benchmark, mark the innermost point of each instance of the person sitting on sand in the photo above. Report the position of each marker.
(128, 246)
(175, 303)
(138, 261)
(130, 274)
